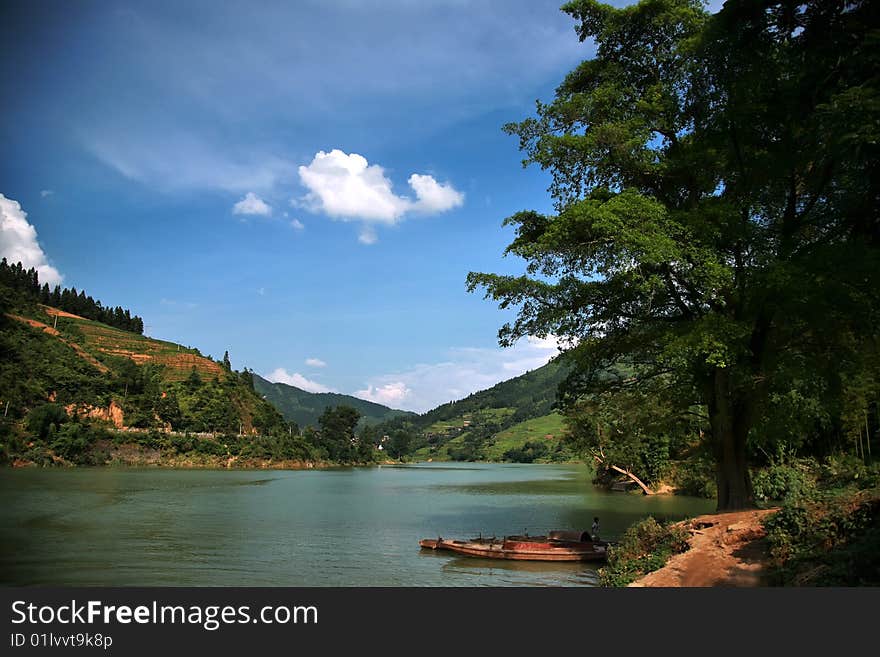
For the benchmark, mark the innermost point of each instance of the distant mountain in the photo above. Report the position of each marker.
(304, 408)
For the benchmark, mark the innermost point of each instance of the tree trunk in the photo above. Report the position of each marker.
(730, 423)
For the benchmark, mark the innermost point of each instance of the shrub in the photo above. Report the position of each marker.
(645, 547)
(528, 453)
(785, 480)
(828, 539)
(43, 418)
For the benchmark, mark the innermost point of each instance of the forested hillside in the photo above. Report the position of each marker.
(74, 390)
(515, 413)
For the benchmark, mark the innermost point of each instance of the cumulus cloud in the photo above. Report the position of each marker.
(296, 224)
(348, 188)
(432, 196)
(18, 242)
(46, 192)
(390, 394)
(315, 362)
(297, 380)
(252, 204)
(467, 370)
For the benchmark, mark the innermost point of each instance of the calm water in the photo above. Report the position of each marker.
(347, 527)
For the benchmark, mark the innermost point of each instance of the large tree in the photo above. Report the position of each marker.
(716, 189)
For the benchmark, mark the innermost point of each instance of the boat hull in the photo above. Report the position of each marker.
(520, 550)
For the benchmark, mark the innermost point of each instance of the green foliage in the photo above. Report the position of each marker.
(695, 477)
(826, 539)
(644, 547)
(715, 182)
(74, 440)
(337, 434)
(785, 478)
(530, 452)
(34, 365)
(399, 443)
(42, 419)
(487, 423)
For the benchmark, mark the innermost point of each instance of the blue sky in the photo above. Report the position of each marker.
(305, 184)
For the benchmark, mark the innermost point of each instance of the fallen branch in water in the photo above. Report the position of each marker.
(629, 474)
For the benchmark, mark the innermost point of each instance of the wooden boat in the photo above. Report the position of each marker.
(556, 546)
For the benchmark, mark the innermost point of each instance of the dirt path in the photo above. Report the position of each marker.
(727, 549)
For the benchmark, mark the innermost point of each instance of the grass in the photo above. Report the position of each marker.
(515, 437)
(536, 429)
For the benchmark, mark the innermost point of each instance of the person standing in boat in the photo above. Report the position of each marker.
(594, 531)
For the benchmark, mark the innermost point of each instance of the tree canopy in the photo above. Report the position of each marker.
(716, 188)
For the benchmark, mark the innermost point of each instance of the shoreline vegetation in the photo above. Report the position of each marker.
(817, 524)
(153, 449)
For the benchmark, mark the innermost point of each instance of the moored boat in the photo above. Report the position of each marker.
(556, 546)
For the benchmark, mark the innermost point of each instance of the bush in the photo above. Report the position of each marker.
(782, 481)
(645, 547)
(696, 478)
(528, 453)
(43, 418)
(848, 470)
(829, 539)
(73, 442)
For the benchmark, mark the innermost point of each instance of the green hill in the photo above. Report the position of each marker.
(509, 421)
(305, 408)
(77, 390)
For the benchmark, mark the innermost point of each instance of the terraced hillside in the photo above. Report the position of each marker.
(51, 356)
(98, 339)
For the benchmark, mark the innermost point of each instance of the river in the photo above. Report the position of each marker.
(340, 527)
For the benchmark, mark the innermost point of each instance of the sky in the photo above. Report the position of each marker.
(304, 184)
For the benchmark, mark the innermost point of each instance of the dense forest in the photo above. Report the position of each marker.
(26, 283)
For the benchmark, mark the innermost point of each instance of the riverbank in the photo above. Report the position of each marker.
(108, 453)
(828, 537)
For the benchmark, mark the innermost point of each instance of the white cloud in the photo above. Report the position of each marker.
(315, 362)
(281, 375)
(348, 188)
(252, 204)
(390, 394)
(297, 224)
(432, 196)
(18, 242)
(46, 192)
(426, 386)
